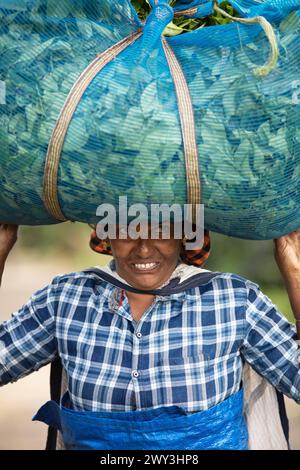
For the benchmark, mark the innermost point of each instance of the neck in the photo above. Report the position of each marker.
(142, 298)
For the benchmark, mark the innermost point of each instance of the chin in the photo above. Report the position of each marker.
(144, 284)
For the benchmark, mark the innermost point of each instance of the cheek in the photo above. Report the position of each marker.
(169, 249)
(119, 249)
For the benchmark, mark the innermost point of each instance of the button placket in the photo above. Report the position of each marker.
(135, 373)
(137, 337)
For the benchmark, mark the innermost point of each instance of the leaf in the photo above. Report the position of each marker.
(4, 153)
(32, 54)
(104, 31)
(212, 129)
(50, 82)
(60, 9)
(13, 5)
(149, 99)
(278, 141)
(229, 103)
(264, 133)
(289, 23)
(133, 125)
(172, 30)
(17, 124)
(44, 134)
(241, 162)
(76, 136)
(32, 113)
(162, 189)
(85, 28)
(259, 160)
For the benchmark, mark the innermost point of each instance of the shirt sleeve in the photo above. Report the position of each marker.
(270, 344)
(27, 339)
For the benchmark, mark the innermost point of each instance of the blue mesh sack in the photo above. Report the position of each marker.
(97, 104)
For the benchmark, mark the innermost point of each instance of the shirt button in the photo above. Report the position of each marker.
(135, 373)
(139, 335)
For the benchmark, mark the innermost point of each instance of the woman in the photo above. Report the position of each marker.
(161, 369)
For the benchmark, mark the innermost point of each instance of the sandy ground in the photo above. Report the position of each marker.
(20, 401)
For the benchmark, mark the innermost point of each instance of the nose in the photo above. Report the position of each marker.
(144, 248)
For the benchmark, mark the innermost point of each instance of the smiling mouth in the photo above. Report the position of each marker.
(145, 267)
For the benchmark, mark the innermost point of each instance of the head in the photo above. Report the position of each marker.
(146, 263)
(165, 251)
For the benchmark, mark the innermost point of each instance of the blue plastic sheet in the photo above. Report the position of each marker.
(222, 427)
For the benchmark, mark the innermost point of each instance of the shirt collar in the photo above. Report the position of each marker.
(114, 302)
(180, 274)
(117, 291)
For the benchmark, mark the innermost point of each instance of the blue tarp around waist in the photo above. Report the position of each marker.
(168, 427)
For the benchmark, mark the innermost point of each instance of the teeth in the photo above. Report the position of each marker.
(146, 265)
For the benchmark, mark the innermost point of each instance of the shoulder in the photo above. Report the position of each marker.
(249, 291)
(227, 279)
(228, 284)
(78, 280)
(206, 277)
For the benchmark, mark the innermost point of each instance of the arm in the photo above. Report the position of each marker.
(287, 255)
(27, 340)
(8, 237)
(270, 343)
(1, 270)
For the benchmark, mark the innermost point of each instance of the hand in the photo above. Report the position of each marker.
(287, 255)
(8, 237)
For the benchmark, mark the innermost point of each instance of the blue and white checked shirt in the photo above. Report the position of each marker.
(187, 350)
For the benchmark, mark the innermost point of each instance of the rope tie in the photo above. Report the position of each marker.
(265, 69)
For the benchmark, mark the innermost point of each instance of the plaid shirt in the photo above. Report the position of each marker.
(187, 350)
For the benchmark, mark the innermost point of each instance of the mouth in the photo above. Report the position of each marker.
(145, 267)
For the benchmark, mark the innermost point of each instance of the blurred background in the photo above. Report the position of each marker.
(43, 252)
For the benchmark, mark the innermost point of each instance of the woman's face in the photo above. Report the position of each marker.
(145, 263)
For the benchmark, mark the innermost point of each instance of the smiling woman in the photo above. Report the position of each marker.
(99, 103)
(146, 263)
(157, 358)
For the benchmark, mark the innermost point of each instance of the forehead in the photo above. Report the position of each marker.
(166, 230)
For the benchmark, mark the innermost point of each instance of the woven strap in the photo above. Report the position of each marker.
(187, 128)
(55, 393)
(50, 196)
